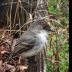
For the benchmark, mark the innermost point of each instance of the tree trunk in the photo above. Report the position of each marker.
(40, 58)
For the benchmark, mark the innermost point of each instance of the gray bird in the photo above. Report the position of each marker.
(32, 41)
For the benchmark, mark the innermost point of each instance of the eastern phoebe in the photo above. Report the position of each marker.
(32, 41)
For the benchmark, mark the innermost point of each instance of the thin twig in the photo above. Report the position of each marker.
(24, 10)
(28, 6)
(56, 61)
(16, 2)
(15, 30)
(10, 15)
(47, 11)
(31, 6)
(16, 13)
(8, 20)
(36, 20)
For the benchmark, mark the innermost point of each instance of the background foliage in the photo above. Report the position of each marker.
(58, 42)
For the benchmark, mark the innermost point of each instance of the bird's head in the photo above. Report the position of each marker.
(42, 25)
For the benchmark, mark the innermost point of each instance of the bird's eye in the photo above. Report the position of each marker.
(44, 27)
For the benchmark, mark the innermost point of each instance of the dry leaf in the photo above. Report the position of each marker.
(23, 67)
(9, 41)
(2, 52)
(14, 43)
(67, 26)
(64, 30)
(60, 30)
(1, 68)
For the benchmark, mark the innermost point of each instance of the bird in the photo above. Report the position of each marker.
(32, 41)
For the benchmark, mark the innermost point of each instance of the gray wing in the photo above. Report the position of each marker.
(23, 45)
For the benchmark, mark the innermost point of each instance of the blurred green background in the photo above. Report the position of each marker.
(58, 42)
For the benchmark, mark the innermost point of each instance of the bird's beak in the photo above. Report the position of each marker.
(51, 30)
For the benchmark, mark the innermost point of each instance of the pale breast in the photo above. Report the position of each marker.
(42, 37)
(40, 41)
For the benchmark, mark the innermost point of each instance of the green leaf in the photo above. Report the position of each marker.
(61, 13)
(65, 46)
(58, 38)
(62, 60)
(58, 9)
(54, 37)
(51, 8)
(49, 52)
(67, 63)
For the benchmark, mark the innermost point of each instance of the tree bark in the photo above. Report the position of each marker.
(40, 58)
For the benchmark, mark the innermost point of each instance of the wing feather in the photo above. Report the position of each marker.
(21, 47)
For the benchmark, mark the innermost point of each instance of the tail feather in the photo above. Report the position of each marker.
(8, 57)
